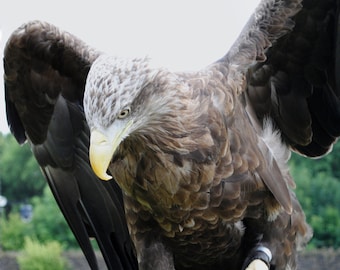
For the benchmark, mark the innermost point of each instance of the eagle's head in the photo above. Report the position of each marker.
(111, 103)
(121, 98)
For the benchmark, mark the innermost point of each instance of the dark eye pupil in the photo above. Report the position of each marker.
(124, 113)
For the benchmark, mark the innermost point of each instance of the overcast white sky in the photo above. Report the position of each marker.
(179, 34)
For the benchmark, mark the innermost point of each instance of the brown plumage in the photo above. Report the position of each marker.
(200, 156)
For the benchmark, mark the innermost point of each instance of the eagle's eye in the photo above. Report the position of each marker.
(124, 113)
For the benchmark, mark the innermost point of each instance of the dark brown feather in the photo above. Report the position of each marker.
(193, 191)
(299, 78)
(205, 179)
(45, 74)
(209, 184)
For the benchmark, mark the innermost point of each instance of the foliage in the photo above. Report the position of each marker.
(49, 223)
(13, 232)
(46, 225)
(20, 175)
(318, 190)
(22, 181)
(38, 256)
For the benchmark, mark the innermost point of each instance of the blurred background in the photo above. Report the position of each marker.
(180, 35)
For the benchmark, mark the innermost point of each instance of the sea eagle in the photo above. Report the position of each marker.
(200, 157)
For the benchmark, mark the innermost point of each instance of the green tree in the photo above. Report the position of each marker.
(318, 191)
(328, 164)
(22, 181)
(49, 223)
(13, 232)
(37, 256)
(20, 175)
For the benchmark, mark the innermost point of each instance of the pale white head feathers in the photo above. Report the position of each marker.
(112, 85)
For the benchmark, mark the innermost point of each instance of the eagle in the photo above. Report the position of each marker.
(182, 170)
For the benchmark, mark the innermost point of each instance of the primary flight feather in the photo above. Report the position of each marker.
(201, 157)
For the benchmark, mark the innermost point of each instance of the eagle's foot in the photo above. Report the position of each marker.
(258, 259)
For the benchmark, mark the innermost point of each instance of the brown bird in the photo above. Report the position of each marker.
(201, 157)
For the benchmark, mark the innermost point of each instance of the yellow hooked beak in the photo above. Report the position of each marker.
(102, 149)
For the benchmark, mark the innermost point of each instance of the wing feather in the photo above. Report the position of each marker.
(288, 52)
(281, 67)
(45, 73)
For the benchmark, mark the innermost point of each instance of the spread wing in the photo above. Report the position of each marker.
(285, 59)
(45, 73)
(291, 54)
